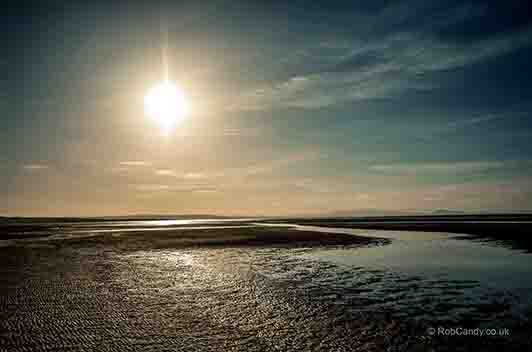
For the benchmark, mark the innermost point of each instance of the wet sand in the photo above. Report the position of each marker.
(216, 236)
(192, 290)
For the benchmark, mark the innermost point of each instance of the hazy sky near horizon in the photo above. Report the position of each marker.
(297, 107)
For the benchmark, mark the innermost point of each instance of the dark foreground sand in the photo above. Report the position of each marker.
(191, 290)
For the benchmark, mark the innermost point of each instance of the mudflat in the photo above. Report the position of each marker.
(197, 289)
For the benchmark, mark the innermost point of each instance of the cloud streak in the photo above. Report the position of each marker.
(381, 67)
(442, 167)
(166, 188)
(134, 163)
(166, 172)
(35, 167)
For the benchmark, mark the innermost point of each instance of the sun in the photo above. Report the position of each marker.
(165, 103)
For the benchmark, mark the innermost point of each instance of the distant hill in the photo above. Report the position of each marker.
(447, 212)
(367, 213)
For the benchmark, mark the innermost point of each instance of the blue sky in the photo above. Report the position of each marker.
(295, 108)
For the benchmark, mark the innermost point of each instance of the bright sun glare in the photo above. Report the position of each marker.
(166, 105)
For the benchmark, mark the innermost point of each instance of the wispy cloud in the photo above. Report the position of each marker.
(291, 159)
(503, 195)
(479, 120)
(188, 176)
(313, 186)
(255, 169)
(125, 166)
(195, 176)
(381, 67)
(35, 167)
(206, 190)
(438, 167)
(365, 197)
(166, 172)
(159, 188)
(151, 187)
(258, 168)
(242, 132)
(134, 163)
(473, 121)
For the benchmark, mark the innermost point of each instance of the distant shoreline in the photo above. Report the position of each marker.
(113, 218)
(370, 218)
(518, 224)
(514, 229)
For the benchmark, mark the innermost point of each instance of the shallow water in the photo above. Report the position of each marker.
(437, 276)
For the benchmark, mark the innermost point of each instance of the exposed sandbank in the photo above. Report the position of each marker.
(246, 236)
